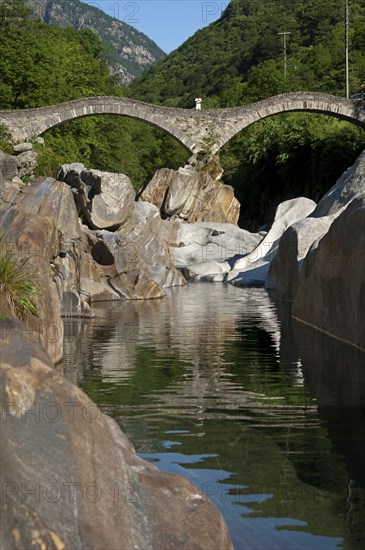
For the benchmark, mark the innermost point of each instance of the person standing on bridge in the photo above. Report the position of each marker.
(198, 103)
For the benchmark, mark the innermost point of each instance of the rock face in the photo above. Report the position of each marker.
(83, 485)
(39, 225)
(254, 267)
(75, 266)
(297, 240)
(138, 255)
(44, 227)
(191, 196)
(135, 260)
(331, 287)
(104, 198)
(293, 248)
(350, 185)
(8, 167)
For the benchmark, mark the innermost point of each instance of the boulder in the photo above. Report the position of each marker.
(203, 246)
(71, 478)
(349, 186)
(191, 196)
(22, 147)
(26, 162)
(96, 267)
(8, 167)
(32, 225)
(254, 267)
(293, 247)
(105, 199)
(75, 266)
(141, 252)
(331, 286)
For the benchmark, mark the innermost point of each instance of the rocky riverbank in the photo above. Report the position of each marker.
(87, 238)
(313, 256)
(90, 239)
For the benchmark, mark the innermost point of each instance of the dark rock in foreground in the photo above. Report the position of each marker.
(71, 479)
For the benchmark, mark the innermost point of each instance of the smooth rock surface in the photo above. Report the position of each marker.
(106, 199)
(71, 478)
(331, 288)
(254, 267)
(39, 225)
(293, 247)
(192, 196)
(202, 247)
(22, 147)
(349, 186)
(141, 251)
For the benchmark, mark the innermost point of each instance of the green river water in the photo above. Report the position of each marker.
(265, 415)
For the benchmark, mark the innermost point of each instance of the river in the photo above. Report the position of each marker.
(264, 414)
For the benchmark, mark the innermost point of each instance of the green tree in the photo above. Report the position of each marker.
(45, 65)
(13, 12)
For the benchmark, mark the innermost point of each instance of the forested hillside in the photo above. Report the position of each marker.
(238, 60)
(42, 64)
(129, 51)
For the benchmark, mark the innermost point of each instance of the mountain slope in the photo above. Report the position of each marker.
(130, 52)
(239, 58)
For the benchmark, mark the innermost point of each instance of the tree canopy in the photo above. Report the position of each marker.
(239, 58)
(41, 65)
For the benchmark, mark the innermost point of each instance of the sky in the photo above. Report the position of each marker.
(168, 22)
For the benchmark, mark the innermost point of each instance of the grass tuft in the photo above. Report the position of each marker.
(17, 288)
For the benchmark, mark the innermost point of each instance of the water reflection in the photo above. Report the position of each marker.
(265, 415)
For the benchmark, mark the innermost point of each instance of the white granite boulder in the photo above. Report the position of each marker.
(254, 267)
(203, 248)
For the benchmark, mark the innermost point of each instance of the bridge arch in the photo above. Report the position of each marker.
(338, 107)
(189, 126)
(25, 124)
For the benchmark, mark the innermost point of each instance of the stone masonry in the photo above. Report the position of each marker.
(205, 130)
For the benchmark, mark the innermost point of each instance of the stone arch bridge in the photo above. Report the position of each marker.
(206, 130)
